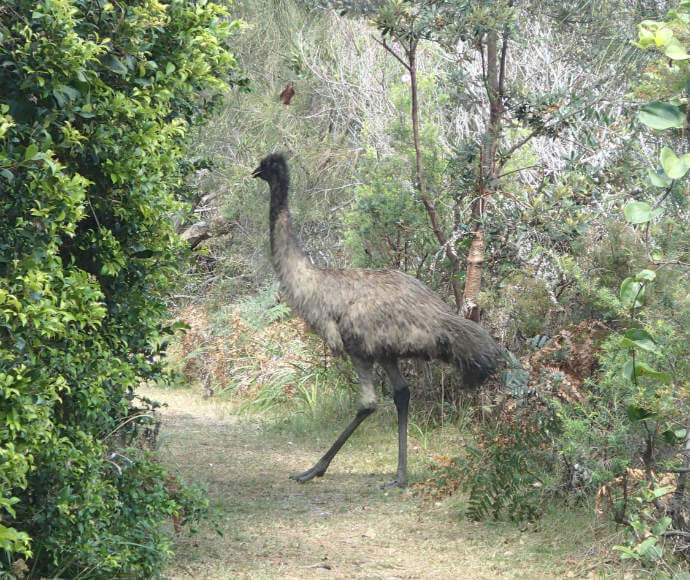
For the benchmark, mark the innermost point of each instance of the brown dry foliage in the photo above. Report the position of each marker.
(287, 94)
(572, 352)
(242, 357)
(630, 483)
(440, 486)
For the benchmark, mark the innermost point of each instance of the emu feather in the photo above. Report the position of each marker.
(374, 316)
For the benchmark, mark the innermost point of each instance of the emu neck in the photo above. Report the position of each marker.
(289, 261)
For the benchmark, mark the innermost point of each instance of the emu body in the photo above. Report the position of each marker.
(374, 316)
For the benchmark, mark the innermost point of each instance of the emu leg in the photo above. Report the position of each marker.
(401, 396)
(367, 407)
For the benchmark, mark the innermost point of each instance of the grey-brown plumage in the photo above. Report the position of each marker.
(373, 316)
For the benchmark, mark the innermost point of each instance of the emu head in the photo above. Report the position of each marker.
(272, 168)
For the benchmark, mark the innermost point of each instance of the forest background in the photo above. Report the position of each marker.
(527, 160)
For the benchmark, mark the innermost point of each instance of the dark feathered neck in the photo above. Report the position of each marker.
(279, 184)
(285, 249)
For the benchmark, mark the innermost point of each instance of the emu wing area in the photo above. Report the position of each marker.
(385, 314)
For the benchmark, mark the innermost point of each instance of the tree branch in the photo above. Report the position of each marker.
(392, 51)
(507, 154)
(516, 170)
(504, 53)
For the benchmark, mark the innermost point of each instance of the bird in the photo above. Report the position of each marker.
(372, 316)
(287, 94)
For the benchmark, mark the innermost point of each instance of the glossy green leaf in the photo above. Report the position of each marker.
(114, 64)
(645, 36)
(636, 413)
(662, 525)
(638, 338)
(645, 370)
(642, 369)
(658, 178)
(662, 491)
(645, 274)
(675, 50)
(637, 212)
(663, 36)
(30, 152)
(632, 293)
(674, 435)
(675, 167)
(70, 92)
(640, 212)
(627, 553)
(658, 115)
(650, 549)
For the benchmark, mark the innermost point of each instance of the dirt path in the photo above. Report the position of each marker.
(337, 527)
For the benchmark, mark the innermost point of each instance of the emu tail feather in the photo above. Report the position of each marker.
(472, 350)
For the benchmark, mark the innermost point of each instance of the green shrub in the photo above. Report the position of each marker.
(386, 224)
(96, 99)
(506, 468)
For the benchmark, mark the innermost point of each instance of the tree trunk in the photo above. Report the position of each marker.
(421, 187)
(473, 280)
(494, 76)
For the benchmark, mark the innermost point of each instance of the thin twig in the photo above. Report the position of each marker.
(676, 533)
(666, 194)
(390, 49)
(128, 420)
(516, 170)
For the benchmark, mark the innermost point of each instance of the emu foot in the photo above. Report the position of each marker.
(388, 484)
(309, 474)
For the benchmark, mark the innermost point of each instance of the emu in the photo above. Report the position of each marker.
(374, 316)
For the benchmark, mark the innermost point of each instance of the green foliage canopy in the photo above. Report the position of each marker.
(96, 101)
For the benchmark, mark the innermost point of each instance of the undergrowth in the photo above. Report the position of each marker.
(251, 350)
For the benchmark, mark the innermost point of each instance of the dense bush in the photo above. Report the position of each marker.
(96, 100)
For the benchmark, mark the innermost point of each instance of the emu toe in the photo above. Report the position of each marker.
(308, 475)
(389, 484)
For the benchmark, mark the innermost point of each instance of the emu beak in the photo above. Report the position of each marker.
(257, 172)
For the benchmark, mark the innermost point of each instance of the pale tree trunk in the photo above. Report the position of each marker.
(494, 67)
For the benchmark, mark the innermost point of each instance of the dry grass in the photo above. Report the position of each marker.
(243, 349)
(340, 527)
